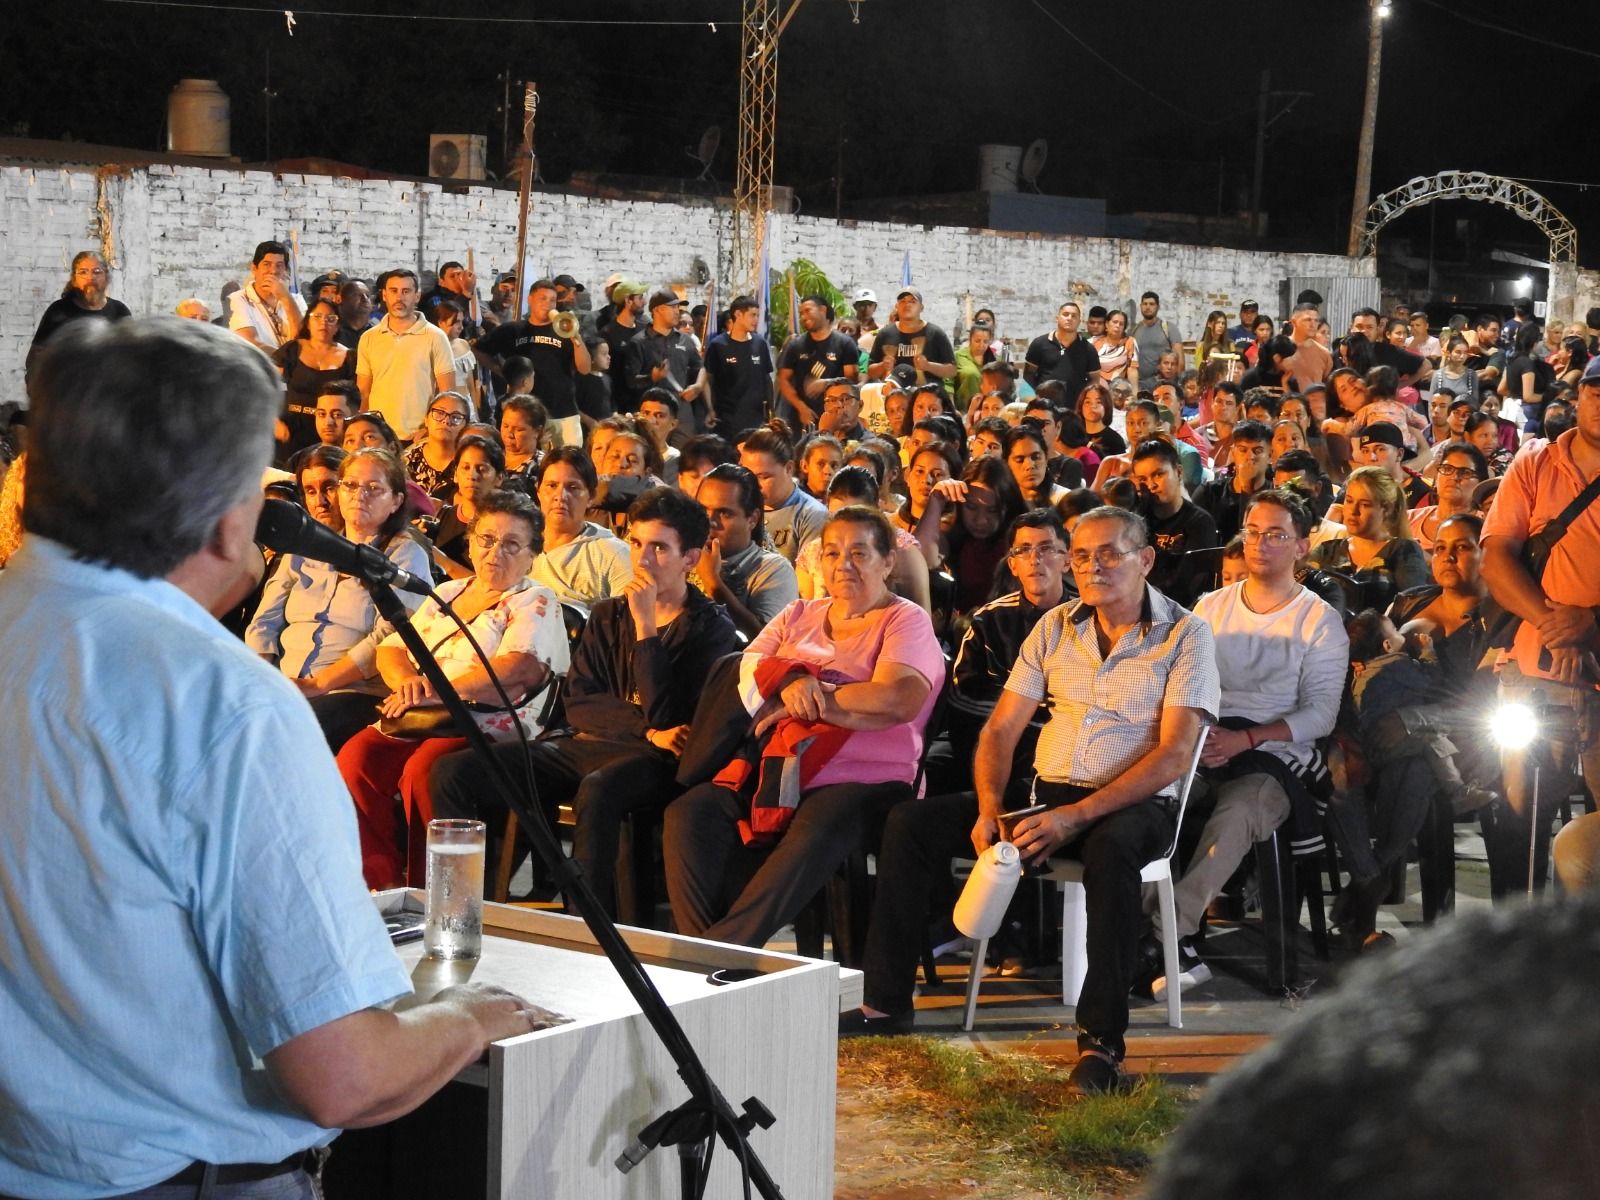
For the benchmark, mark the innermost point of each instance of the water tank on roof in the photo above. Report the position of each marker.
(997, 168)
(198, 119)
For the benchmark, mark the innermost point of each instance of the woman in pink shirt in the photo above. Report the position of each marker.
(844, 684)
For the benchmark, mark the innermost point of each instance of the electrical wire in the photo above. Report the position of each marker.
(1505, 31)
(301, 14)
(1118, 71)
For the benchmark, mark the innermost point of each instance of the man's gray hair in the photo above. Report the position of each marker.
(141, 435)
(1135, 534)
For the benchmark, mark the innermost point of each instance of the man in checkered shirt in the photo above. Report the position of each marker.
(1129, 677)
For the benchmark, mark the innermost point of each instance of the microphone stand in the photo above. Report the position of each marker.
(707, 1114)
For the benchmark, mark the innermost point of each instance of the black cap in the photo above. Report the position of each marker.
(567, 281)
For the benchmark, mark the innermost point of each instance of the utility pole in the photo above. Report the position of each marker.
(530, 109)
(1377, 11)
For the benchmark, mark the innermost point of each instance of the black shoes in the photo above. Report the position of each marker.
(1097, 1074)
(856, 1023)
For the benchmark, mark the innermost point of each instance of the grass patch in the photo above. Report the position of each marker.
(1016, 1107)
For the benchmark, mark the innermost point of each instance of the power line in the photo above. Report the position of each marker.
(1506, 31)
(296, 14)
(1118, 71)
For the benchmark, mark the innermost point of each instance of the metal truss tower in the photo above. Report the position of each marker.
(758, 128)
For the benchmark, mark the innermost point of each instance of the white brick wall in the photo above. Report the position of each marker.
(185, 231)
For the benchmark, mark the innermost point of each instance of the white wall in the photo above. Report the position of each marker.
(177, 231)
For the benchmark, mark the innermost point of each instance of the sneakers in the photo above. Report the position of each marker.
(1192, 970)
(1470, 798)
(1097, 1074)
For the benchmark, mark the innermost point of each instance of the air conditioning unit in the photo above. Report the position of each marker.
(456, 155)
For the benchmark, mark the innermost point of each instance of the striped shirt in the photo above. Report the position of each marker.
(1105, 714)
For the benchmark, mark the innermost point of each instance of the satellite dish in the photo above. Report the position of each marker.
(706, 151)
(1033, 162)
(445, 161)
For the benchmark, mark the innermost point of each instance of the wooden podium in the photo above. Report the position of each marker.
(563, 1103)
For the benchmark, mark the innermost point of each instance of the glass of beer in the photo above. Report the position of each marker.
(454, 924)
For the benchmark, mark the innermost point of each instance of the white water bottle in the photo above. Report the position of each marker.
(988, 893)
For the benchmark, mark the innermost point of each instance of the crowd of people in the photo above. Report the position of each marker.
(876, 588)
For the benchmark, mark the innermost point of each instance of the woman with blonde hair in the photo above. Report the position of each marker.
(1378, 551)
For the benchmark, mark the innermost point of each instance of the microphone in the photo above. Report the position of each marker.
(289, 529)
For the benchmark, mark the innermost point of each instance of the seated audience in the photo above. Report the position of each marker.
(1377, 551)
(699, 454)
(793, 516)
(522, 424)
(841, 685)
(517, 623)
(1027, 456)
(479, 472)
(318, 624)
(856, 484)
(1461, 469)
(971, 543)
(1177, 526)
(1121, 730)
(736, 570)
(1226, 496)
(428, 462)
(582, 563)
(637, 671)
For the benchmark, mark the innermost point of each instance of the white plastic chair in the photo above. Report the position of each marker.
(1074, 916)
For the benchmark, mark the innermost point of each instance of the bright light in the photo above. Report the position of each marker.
(1385, 8)
(1513, 726)
(1525, 286)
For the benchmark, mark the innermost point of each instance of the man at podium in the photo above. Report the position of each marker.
(193, 968)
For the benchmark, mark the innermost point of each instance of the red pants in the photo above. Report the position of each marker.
(374, 767)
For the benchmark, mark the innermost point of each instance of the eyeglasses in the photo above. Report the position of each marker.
(367, 491)
(1105, 558)
(1039, 552)
(443, 416)
(1272, 537)
(487, 543)
(1449, 472)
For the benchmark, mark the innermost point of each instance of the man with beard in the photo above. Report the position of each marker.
(83, 297)
(822, 353)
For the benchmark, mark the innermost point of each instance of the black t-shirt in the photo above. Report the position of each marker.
(1543, 377)
(617, 337)
(1072, 365)
(554, 359)
(650, 350)
(1405, 363)
(1190, 528)
(594, 396)
(741, 380)
(428, 306)
(810, 360)
(930, 342)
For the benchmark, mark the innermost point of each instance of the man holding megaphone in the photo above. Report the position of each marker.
(557, 355)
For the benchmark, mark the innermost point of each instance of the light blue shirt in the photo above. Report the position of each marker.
(180, 886)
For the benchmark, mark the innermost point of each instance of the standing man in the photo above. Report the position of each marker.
(190, 1027)
(1177, 525)
(1552, 660)
(455, 283)
(1063, 355)
(865, 303)
(622, 328)
(1485, 355)
(355, 313)
(738, 371)
(1381, 444)
(910, 342)
(823, 353)
(1129, 677)
(1311, 361)
(1281, 655)
(557, 361)
(1240, 335)
(84, 297)
(1154, 337)
(402, 362)
(264, 312)
(662, 356)
(736, 570)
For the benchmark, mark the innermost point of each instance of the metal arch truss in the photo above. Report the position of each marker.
(1473, 185)
(758, 120)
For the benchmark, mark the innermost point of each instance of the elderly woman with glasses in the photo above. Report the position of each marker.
(518, 625)
(318, 625)
(429, 462)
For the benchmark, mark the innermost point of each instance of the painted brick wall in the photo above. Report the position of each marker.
(175, 231)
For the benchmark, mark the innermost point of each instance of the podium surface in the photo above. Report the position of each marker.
(563, 1103)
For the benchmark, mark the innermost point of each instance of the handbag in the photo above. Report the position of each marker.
(1502, 623)
(416, 724)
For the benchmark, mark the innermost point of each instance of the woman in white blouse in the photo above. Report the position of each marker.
(318, 625)
(517, 623)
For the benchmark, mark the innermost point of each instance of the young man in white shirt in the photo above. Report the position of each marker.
(1281, 655)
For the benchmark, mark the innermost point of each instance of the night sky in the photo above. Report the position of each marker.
(900, 101)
